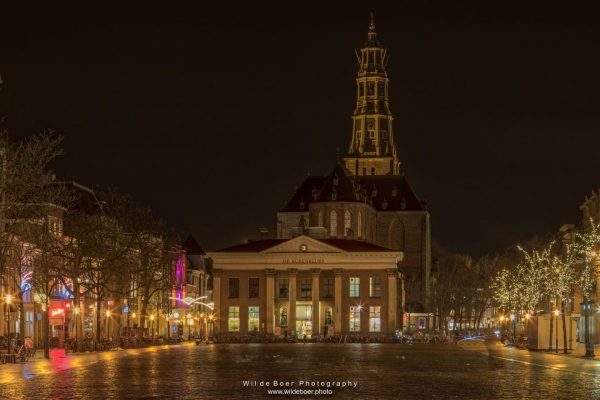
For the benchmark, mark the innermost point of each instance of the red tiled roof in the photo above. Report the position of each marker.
(256, 246)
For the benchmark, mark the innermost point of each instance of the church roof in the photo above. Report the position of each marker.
(257, 246)
(390, 193)
(305, 194)
(339, 186)
(382, 192)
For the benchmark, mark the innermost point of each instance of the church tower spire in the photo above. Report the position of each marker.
(372, 150)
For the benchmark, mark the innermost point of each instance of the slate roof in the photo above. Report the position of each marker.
(383, 192)
(305, 194)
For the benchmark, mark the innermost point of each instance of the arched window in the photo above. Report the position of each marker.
(283, 317)
(359, 224)
(320, 218)
(333, 223)
(328, 317)
(347, 222)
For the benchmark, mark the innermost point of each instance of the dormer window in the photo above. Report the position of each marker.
(384, 205)
(394, 191)
(374, 192)
(334, 196)
(315, 192)
(302, 204)
(335, 180)
(403, 204)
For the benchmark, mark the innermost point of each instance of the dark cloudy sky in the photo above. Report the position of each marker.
(213, 116)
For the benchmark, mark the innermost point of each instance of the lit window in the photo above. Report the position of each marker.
(328, 316)
(253, 319)
(320, 219)
(234, 319)
(354, 286)
(283, 317)
(332, 223)
(374, 286)
(347, 222)
(375, 319)
(354, 319)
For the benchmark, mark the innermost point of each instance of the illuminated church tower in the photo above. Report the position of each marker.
(372, 150)
(365, 197)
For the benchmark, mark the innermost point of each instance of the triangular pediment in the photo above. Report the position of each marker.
(303, 245)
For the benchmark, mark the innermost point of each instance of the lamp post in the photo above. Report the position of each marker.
(8, 299)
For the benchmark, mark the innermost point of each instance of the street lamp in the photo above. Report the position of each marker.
(107, 322)
(8, 301)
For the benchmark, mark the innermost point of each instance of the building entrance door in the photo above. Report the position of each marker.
(303, 319)
(303, 328)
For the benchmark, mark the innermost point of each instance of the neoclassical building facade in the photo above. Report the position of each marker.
(306, 287)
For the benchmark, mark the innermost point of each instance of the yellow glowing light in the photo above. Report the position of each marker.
(512, 317)
(502, 318)
(133, 315)
(76, 310)
(108, 313)
(556, 312)
(527, 316)
(152, 317)
(8, 298)
(189, 316)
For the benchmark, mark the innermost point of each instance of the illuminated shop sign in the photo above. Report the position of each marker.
(57, 312)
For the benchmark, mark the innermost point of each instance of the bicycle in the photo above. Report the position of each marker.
(24, 354)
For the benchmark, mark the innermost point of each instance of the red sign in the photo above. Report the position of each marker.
(57, 312)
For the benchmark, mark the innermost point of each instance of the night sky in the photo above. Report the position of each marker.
(212, 116)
